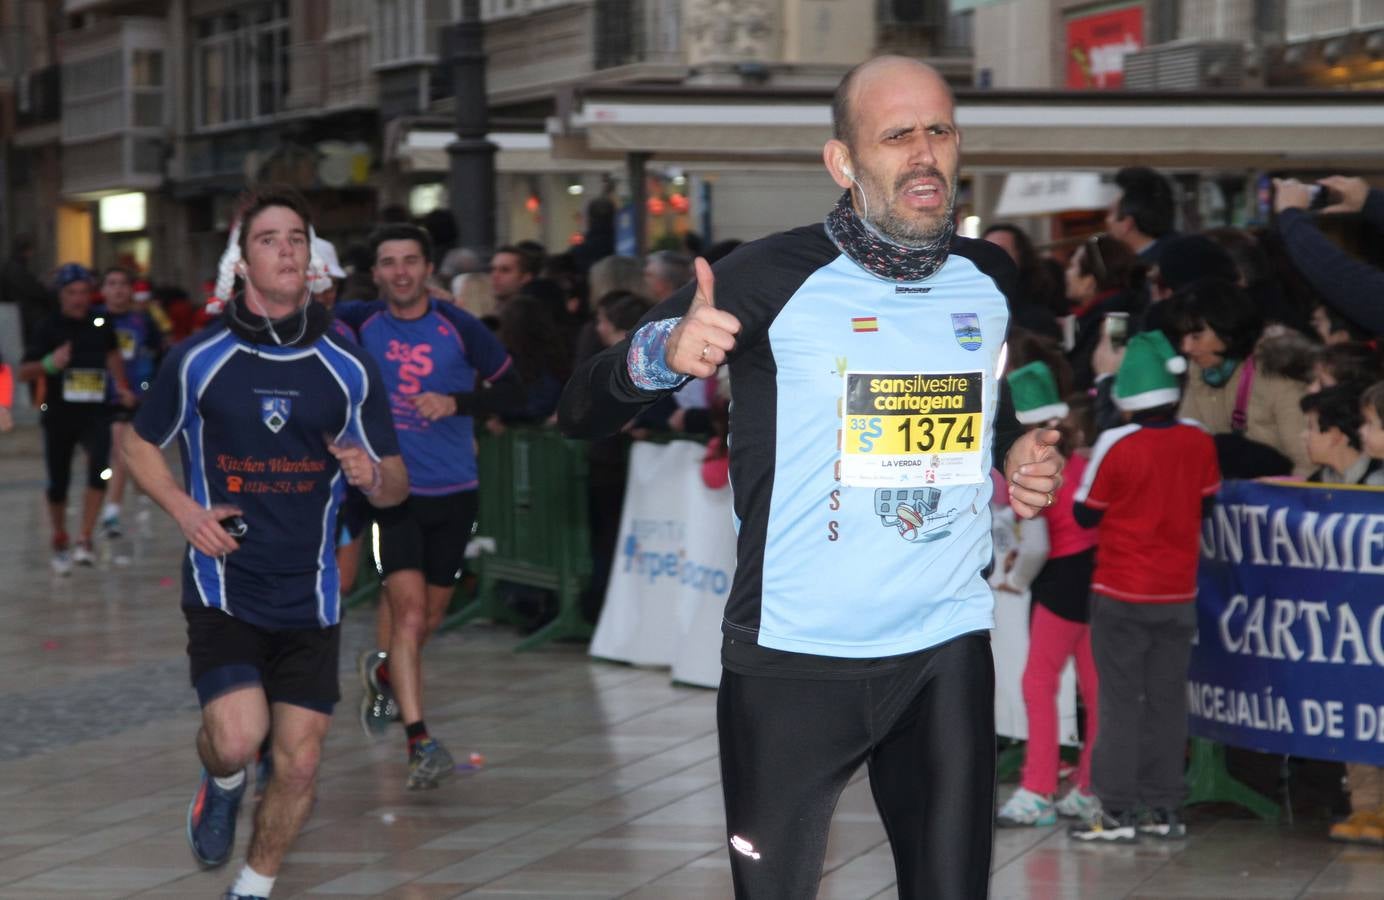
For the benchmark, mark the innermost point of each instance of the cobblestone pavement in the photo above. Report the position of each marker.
(601, 780)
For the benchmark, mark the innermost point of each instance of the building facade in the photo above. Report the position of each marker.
(1201, 47)
(130, 126)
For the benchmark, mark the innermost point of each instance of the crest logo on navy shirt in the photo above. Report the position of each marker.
(967, 328)
(274, 412)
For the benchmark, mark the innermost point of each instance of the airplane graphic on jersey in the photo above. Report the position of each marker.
(913, 511)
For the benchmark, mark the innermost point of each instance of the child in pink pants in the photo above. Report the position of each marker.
(1059, 630)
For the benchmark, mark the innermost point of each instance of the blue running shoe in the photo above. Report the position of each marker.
(211, 822)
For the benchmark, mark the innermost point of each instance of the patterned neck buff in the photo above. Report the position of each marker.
(880, 256)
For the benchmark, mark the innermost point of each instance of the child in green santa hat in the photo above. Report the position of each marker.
(1146, 489)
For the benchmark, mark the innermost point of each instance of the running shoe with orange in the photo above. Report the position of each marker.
(211, 822)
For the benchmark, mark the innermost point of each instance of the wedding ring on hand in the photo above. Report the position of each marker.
(1050, 499)
(705, 350)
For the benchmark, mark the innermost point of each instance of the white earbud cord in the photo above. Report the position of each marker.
(865, 218)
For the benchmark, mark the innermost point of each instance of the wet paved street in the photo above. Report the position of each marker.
(601, 780)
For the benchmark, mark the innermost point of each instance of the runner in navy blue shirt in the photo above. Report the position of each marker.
(73, 357)
(141, 344)
(442, 366)
(276, 416)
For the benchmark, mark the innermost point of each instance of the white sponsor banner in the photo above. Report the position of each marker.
(1009, 642)
(672, 568)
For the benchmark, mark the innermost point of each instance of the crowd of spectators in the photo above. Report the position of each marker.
(1279, 327)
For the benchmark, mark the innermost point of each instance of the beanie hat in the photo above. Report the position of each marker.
(1188, 258)
(1034, 390)
(1148, 374)
(71, 272)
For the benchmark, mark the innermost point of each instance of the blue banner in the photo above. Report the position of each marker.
(1290, 649)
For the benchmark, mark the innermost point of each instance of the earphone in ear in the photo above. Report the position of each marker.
(846, 170)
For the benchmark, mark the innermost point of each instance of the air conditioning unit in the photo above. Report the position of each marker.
(1186, 66)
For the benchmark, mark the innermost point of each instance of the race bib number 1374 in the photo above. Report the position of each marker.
(911, 429)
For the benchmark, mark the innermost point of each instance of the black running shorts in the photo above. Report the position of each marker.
(62, 433)
(428, 534)
(296, 666)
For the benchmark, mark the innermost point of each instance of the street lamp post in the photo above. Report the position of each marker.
(471, 175)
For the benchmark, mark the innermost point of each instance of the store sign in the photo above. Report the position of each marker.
(1097, 43)
(1044, 193)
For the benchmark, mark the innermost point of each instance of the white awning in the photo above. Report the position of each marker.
(425, 150)
(1087, 131)
(1043, 193)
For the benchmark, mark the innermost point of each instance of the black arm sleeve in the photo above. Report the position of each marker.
(600, 397)
(752, 284)
(1351, 287)
(502, 396)
(1007, 427)
(1087, 517)
(1373, 210)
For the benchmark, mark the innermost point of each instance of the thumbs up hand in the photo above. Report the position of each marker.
(700, 342)
(1034, 470)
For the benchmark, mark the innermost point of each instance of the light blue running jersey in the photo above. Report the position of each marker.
(862, 434)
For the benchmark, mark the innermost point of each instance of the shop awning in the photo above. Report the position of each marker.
(1040, 130)
(425, 150)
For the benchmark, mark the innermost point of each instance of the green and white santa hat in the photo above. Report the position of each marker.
(1148, 374)
(1034, 389)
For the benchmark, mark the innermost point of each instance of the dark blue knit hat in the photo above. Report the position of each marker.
(71, 272)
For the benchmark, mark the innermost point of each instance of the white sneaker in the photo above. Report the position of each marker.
(1077, 805)
(61, 562)
(82, 555)
(1024, 807)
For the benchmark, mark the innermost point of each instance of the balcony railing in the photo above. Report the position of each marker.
(1217, 20)
(1304, 19)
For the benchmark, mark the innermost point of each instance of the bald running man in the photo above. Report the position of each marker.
(865, 359)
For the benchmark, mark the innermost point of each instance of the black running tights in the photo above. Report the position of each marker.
(924, 729)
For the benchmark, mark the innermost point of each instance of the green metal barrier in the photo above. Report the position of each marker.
(1208, 781)
(533, 503)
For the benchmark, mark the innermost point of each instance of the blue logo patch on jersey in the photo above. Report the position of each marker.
(274, 412)
(967, 328)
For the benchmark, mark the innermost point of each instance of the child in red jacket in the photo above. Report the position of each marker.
(1147, 487)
